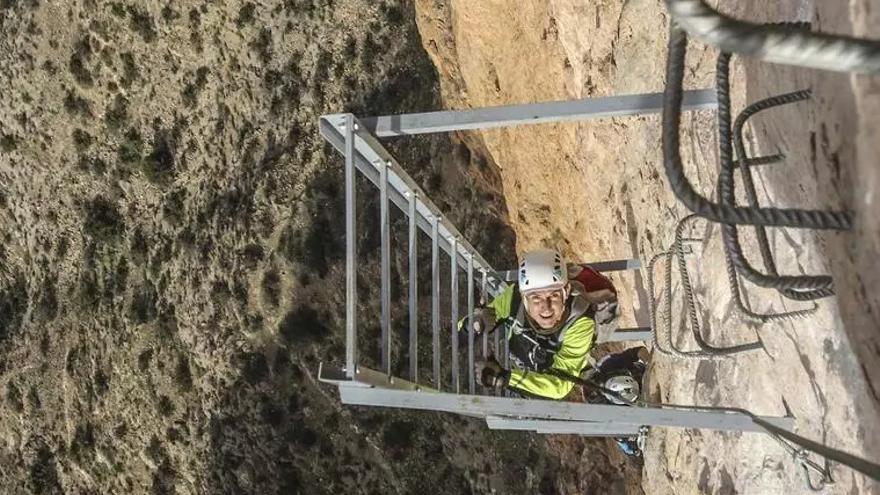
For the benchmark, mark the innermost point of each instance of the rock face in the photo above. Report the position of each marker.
(171, 261)
(596, 191)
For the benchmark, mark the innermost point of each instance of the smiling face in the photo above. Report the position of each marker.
(546, 307)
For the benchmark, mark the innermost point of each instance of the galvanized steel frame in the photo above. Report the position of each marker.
(530, 113)
(363, 153)
(372, 388)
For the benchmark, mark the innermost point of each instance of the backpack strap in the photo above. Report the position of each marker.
(516, 314)
(516, 306)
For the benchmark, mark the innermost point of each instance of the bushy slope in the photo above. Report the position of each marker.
(170, 270)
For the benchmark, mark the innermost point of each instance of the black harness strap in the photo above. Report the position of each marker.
(516, 303)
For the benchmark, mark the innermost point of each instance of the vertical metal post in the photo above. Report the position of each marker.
(385, 344)
(483, 303)
(497, 343)
(506, 359)
(350, 253)
(506, 344)
(435, 301)
(470, 303)
(454, 315)
(413, 293)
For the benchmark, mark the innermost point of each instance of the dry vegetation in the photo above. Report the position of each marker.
(170, 262)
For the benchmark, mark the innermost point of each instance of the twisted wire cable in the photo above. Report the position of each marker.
(727, 197)
(823, 284)
(684, 190)
(779, 43)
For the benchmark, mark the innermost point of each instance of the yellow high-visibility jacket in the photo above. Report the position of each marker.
(576, 337)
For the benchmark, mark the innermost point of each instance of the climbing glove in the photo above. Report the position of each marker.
(606, 312)
(491, 373)
(483, 318)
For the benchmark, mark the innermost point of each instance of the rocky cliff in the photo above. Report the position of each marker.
(597, 191)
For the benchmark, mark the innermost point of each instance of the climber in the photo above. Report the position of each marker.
(551, 323)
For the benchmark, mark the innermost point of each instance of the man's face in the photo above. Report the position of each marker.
(546, 307)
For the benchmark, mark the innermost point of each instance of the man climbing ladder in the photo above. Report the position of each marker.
(551, 323)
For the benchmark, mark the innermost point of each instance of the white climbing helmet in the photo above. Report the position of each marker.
(542, 269)
(622, 386)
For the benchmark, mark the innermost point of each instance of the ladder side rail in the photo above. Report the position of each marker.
(385, 240)
(551, 426)
(484, 302)
(557, 410)
(369, 152)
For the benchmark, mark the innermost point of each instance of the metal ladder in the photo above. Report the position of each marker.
(358, 142)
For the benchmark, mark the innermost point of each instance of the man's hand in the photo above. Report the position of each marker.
(483, 318)
(491, 373)
(606, 312)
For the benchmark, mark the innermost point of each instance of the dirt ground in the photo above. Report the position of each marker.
(596, 190)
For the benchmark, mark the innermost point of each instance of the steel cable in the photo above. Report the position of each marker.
(785, 437)
(684, 190)
(778, 43)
